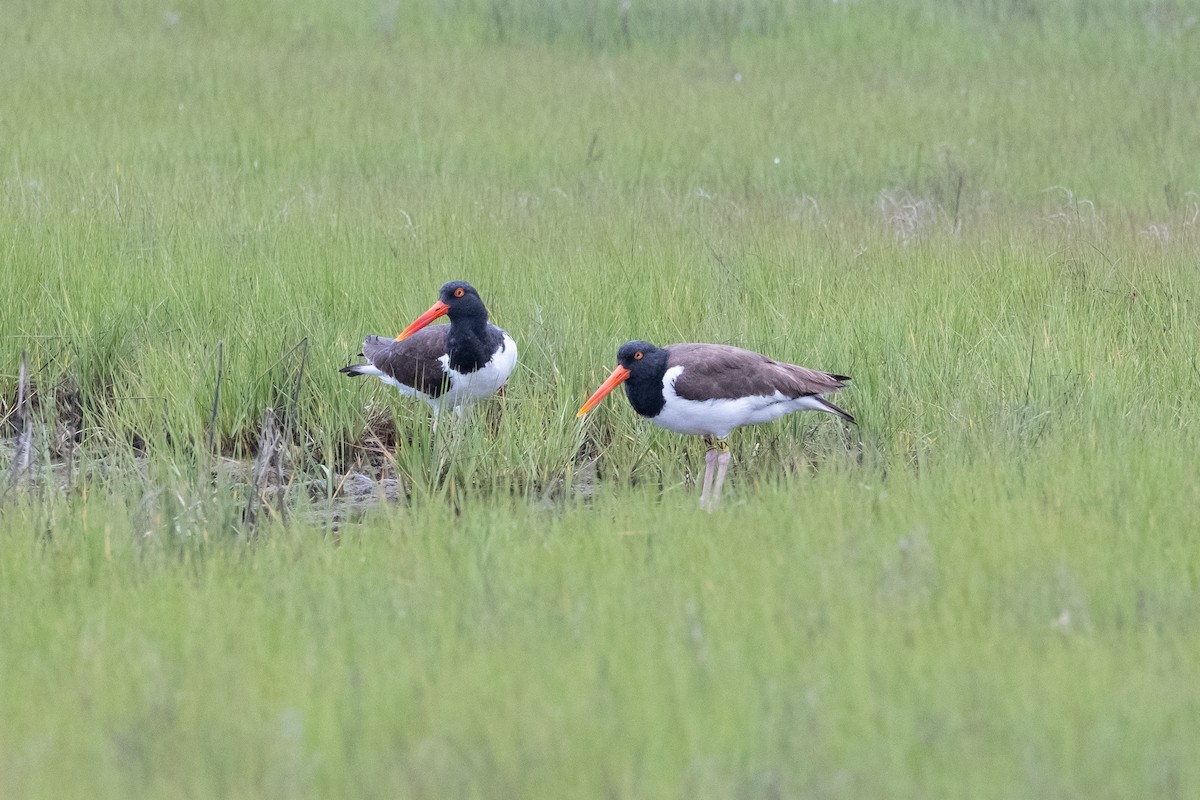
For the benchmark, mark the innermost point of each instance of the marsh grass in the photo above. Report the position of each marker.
(986, 213)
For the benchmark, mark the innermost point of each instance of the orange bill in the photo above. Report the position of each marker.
(619, 376)
(438, 309)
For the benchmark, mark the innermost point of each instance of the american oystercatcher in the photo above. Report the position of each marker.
(710, 389)
(447, 366)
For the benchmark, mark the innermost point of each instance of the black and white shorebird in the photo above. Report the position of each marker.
(710, 389)
(447, 366)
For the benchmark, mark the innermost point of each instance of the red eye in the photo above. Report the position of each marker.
(637, 356)
(459, 292)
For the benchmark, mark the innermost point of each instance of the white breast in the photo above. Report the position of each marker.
(467, 387)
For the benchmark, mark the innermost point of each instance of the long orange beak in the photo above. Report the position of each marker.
(436, 310)
(619, 376)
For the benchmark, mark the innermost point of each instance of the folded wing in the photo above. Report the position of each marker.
(722, 372)
(415, 361)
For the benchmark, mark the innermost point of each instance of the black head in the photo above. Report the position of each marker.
(640, 356)
(457, 299)
(640, 366)
(462, 301)
(646, 364)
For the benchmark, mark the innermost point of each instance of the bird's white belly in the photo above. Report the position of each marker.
(467, 387)
(403, 388)
(719, 417)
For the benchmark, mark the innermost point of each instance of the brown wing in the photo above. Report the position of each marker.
(721, 372)
(414, 361)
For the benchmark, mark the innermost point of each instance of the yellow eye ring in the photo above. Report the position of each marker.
(459, 292)
(637, 356)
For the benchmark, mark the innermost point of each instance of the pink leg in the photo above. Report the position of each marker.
(710, 460)
(722, 468)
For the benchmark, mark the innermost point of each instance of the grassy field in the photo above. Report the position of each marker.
(987, 213)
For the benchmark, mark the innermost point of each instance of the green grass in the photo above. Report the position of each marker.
(930, 637)
(987, 213)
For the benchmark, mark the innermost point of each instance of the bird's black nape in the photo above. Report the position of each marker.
(632, 352)
(463, 302)
(470, 342)
(647, 365)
